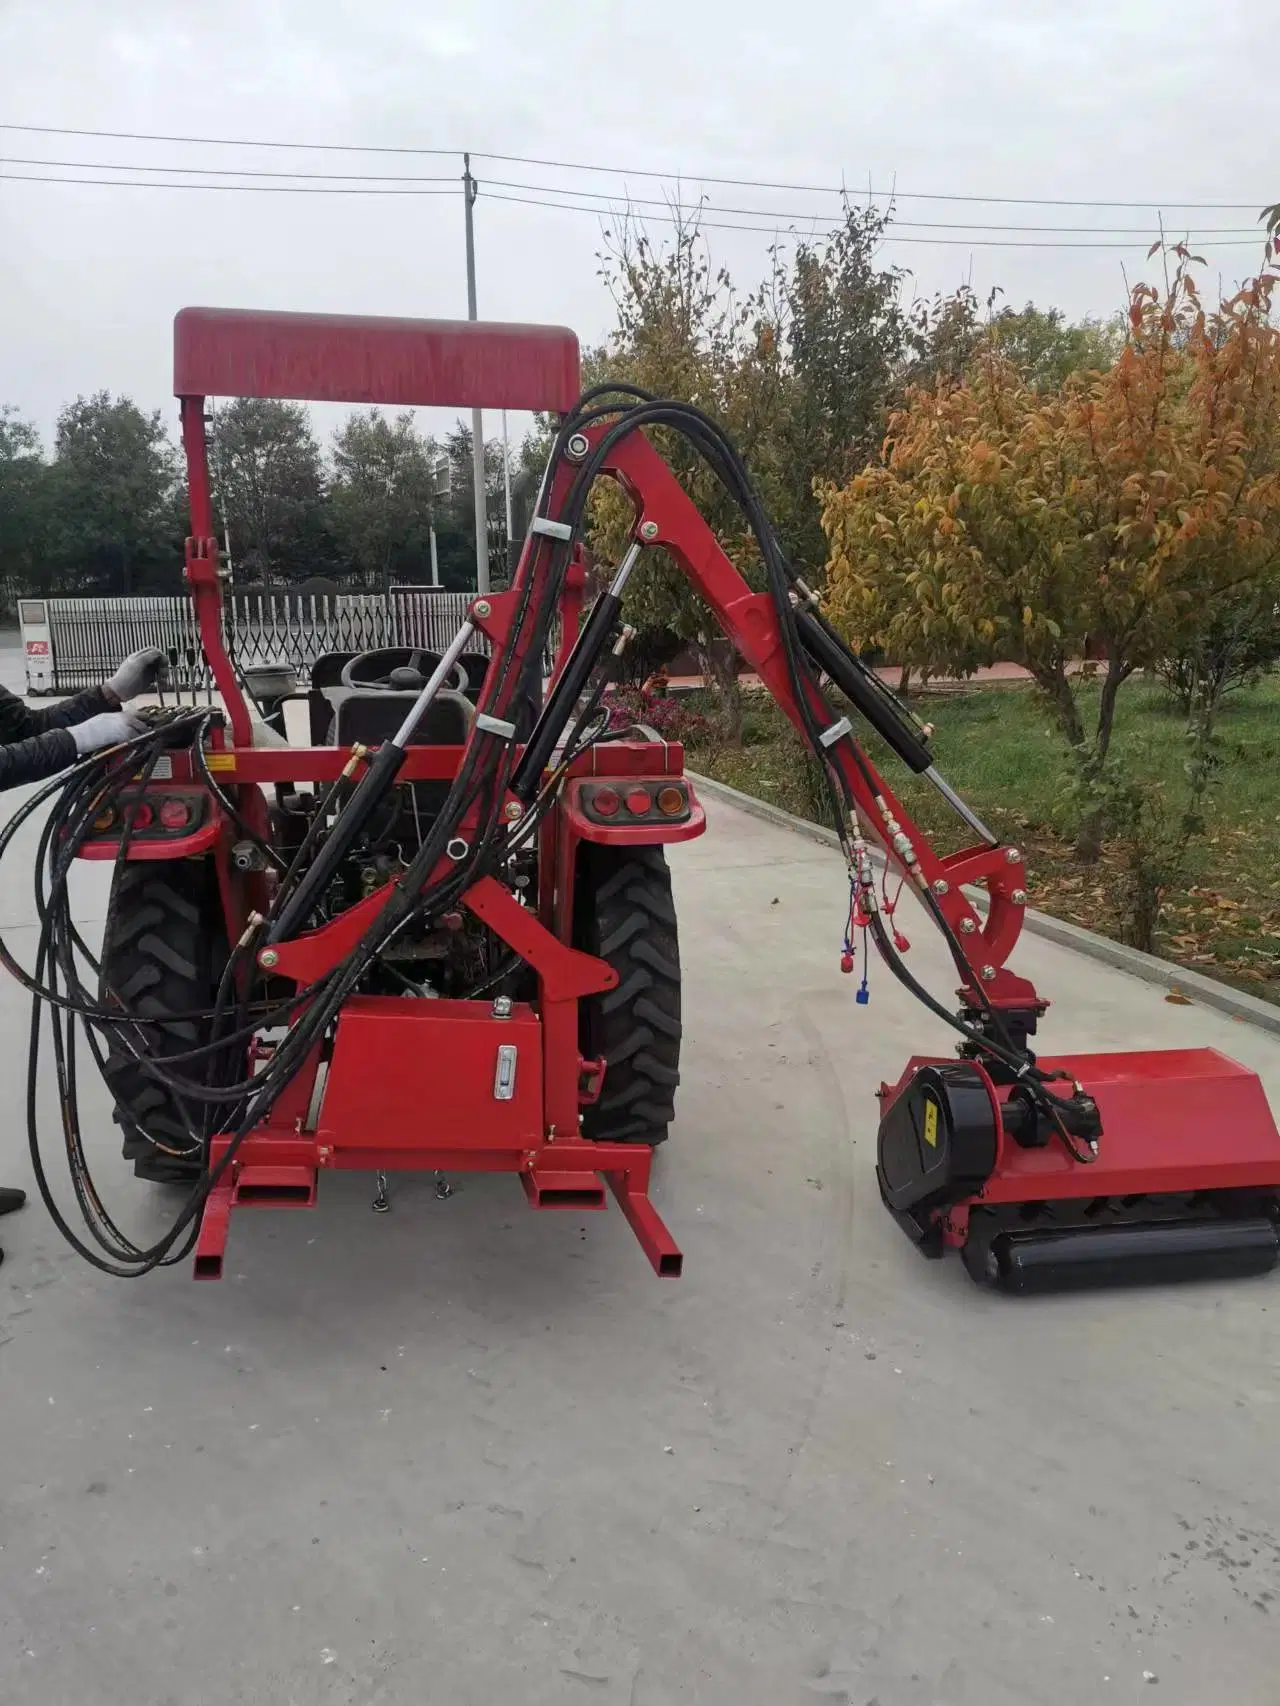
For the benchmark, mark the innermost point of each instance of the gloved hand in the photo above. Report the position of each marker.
(139, 672)
(108, 728)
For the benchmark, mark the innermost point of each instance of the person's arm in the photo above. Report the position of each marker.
(64, 715)
(43, 755)
(37, 757)
(135, 675)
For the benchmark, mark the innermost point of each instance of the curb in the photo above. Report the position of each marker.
(1205, 991)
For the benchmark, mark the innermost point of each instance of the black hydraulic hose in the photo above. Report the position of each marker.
(475, 797)
(852, 678)
(372, 788)
(564, 696)
(206, 776)
(81, 794)
(726, 463)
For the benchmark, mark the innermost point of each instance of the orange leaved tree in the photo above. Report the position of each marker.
(1007, 522)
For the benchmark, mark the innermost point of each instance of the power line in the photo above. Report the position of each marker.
(1144, 231)
(237, 171)
(888, 237)
(226, 141)
(883, 195)
(1151, 206)
(544, 196)
(247, 189)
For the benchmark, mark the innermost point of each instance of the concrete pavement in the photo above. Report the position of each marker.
(465, 1453)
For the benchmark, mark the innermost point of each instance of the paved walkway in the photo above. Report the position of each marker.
(466, 1454)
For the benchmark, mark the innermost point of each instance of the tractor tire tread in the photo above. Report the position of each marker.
(626, 916)
(160, 954)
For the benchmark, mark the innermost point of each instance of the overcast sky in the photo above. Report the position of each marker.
(1161, 102)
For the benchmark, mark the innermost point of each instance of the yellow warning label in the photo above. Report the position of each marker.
(222, 761)
(931, 1123)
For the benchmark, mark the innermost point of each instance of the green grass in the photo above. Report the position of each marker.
(997, 746)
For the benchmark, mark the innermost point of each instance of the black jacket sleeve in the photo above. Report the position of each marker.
(20, 722)
(36, 757)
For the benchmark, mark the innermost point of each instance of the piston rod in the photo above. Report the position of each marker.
(373, 787)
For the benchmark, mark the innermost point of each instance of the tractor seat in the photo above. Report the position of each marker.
(371, 718)
(325, 693)
(475, 666)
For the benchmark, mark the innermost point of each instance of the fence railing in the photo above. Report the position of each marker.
(89, 636)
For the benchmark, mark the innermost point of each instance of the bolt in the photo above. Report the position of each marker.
(482, 607)
(1019, 897)
(512, 811)
(942, 886)
(967, 927)
(502, 1006)
(648, 530)
(988, 972)
(577, 446)
(1012, 855)
(268, 959)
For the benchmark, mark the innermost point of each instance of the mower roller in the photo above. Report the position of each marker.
(440, 936)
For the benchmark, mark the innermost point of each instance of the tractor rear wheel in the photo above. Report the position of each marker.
(624, 914)
(163, 951)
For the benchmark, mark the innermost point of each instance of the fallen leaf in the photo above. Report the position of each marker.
(1178, 999)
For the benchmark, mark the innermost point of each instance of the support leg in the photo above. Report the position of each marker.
(215, 1222)
(631, 1187)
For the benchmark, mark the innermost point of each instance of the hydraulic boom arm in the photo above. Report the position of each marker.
(666, 516)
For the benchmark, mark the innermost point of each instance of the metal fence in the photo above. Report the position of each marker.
(89, 636)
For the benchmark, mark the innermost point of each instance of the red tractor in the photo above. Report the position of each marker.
(441, 935)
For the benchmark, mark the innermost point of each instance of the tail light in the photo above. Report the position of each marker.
(174, 814)
(146, 818)
(641, 802)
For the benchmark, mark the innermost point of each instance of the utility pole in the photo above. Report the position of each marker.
(506, 484)
(469, 190)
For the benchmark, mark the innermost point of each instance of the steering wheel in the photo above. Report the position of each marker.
(396, 669)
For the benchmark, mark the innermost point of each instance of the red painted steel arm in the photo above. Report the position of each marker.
(202, 571)
(750, 621)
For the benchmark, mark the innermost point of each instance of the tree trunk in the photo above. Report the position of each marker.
(1053, 682)
(1088, 848)
(1089, 835)
(1112, 682)
(904, 681)
(720, 665)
